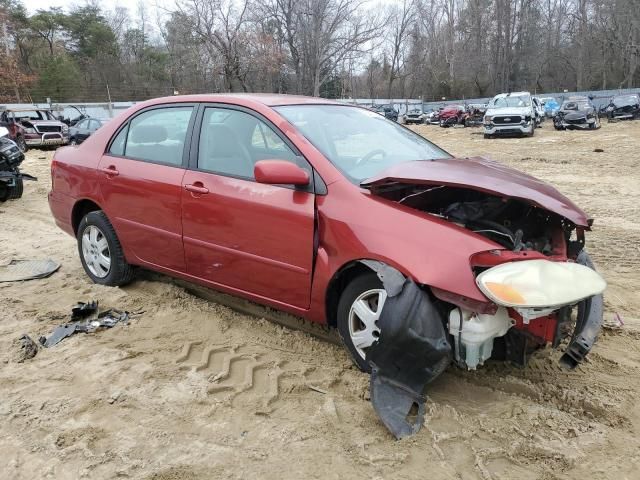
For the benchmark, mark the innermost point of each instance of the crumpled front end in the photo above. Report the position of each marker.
(539, 284)
(535, 300)
(582, 120)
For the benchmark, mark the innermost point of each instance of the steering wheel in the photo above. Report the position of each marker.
(370, 155)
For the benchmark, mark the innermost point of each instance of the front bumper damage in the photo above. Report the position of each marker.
(415, 346)
(575, 122)
(588, 324)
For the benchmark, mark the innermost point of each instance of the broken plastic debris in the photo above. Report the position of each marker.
(107, 319)
(411, 352)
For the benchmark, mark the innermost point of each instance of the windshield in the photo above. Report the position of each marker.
(359, 142)
(625, 100)
(511, 101)
(32, 115)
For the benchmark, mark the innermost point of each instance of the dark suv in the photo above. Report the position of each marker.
(387, 110)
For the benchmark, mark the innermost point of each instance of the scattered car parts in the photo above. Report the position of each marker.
(11, 179)
(20, 270)
(106, 319)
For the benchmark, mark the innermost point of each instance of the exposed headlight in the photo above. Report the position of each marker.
(488, 118)
(65, 128)
(539, 283)
(30, 130)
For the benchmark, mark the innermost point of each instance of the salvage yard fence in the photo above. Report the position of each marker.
(109, 110)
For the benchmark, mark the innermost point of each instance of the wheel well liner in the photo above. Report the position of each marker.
(80, 209)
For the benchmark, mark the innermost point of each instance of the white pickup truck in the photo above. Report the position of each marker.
(509, 114)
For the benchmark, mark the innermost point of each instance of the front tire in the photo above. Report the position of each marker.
(358, 313)
(101, 252)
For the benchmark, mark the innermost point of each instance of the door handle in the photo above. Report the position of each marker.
(110, 171)
(197, 187)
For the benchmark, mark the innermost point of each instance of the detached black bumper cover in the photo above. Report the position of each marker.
(588, 324)
(411, 352)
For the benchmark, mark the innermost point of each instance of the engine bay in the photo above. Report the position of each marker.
(512, 223)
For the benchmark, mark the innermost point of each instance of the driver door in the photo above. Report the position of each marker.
(247, 236)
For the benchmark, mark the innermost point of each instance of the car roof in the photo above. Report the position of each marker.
(267, 99)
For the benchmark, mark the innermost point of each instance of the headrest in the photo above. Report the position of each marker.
(222, 141)
(148, 134)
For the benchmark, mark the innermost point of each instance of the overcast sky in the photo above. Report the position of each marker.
(33, 5)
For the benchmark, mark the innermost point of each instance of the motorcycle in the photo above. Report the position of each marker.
(11, 178)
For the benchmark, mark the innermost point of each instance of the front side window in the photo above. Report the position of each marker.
(232, 141)
(359, 142)
(157, 135)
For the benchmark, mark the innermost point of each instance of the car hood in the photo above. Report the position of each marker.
(522, 111)
(483, 175)
(575, 115)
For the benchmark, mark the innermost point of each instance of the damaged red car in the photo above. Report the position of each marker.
(336, 214)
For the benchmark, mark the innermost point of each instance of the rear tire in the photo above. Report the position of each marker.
(367, 290)
(100, 251)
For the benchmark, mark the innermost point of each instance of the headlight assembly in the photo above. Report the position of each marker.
(539, 284)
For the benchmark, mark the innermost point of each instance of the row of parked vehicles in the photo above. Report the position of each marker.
(41, 127)
(520, 113)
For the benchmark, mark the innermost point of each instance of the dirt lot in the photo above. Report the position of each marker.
(193, 390)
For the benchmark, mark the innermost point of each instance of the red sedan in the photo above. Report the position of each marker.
(332, 212)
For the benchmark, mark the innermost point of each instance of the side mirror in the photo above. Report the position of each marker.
(276, 172)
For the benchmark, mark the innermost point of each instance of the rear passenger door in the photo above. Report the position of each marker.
(141, 183)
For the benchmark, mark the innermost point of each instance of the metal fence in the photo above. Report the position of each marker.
(599, 98)
(109, 110)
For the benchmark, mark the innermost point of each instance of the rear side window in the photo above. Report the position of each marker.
(157, 135)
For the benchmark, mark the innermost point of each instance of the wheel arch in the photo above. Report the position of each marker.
(80, 209)
(341, 278)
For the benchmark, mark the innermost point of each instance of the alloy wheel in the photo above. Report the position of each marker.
(95, 251)
(363, 319)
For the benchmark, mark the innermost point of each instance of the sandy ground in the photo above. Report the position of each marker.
(193, 390)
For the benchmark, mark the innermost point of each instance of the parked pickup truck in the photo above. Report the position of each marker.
(510, 113)
(34, 127)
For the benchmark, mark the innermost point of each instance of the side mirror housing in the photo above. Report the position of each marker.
(276, 172)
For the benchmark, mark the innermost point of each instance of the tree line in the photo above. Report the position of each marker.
(332, 48)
